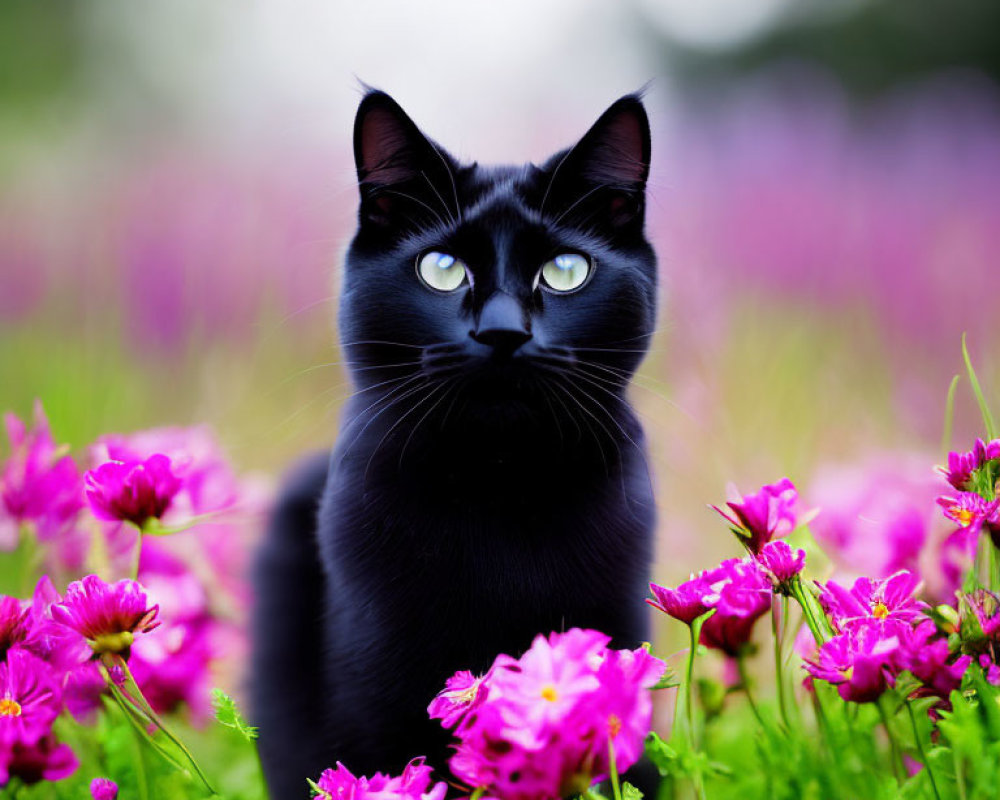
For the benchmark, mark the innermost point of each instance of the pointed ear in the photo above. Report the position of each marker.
(601, 180)
(401, 174)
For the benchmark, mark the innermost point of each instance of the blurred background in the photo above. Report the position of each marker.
(177, 189)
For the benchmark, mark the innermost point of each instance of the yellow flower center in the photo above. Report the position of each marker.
(880, 610)
(963, 515)
(9, 708)
(112, 642)
(614, 725)
(549, 693)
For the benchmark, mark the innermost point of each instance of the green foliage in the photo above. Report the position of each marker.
(227, 714)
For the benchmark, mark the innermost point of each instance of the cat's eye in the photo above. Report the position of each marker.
(565, 273)
(442, 271)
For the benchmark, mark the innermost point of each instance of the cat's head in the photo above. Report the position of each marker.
(526, 287)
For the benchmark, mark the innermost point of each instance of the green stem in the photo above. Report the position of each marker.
(138, 554)
(135, 694)
(140, 764)
(897, 758)
(778, 623)
(476, 794)
(745, 680)
(613, 769)
(920, 748)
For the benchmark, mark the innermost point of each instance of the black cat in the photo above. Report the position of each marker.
(490, 480)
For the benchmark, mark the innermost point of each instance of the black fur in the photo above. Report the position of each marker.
(489, 482)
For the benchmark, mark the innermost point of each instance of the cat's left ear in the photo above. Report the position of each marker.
(601, 180)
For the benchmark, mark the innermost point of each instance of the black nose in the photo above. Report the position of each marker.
(503, 325)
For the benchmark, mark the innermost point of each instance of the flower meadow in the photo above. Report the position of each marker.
(123, 610)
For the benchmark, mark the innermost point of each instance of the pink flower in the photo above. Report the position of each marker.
(744, 595)
(462, 693)
(413, 784)
(13, 624)
(103, 789)
(107, 615)
(82, 692)
(30, 699)
(972, 512)
(890, 601)
(172, 667)
(961, 466)
(925, 653)
(39, 482)
(542, 729)
(133, 491)
(860, 662)
(781, 562)
(758, 518)
(685, 603)
(46, 760)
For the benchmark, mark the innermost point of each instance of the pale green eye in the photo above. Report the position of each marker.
(565, 272)
(441, 271)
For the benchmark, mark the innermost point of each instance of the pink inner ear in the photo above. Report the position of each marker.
(384, 149)
(618, 156)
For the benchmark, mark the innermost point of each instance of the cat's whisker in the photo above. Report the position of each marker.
(433, 390)
(579, 200)
(383, 342)
(420, 202)
(450, 384)
(437, 194)
(405, 389)
(600, 447)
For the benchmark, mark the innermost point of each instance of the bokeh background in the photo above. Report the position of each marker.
(177, 188)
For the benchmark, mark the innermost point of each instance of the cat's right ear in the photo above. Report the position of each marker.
(402, 176)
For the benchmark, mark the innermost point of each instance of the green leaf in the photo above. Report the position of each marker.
(629, 792)
(228, 714)
(949, 415)
(667, 681)
(984, 409)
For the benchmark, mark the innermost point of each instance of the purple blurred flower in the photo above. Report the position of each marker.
(413, 784)
(30, 699)
(961, 466)
(463, 692)
(990, 668)
(133, 491)
(889, 601)
(860, 662)
(925, 653)
(39, 483)
(46, 760)
(107, 615)
(760, 517)
(82, 692)
(103, 789)
(744, 595)
(13, 624)
(781, 562)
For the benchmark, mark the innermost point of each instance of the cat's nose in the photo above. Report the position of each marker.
(503, 324)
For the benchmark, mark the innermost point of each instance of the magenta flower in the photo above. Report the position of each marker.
(172, 666)
(972, 512)
(781, 562)
(861, 663)
(744, 595)
(107, 615)
(13, 624)
(758, 518)
(39, 483)
(30, 699)
(413, 784)
(82, 692)
(925, 653)
(61, 647)
(542, 728)
(133, 491)
(103, 789)
(463, 692)
(685, 603)
(889, 601)
(46, 760)
(961, 466)
(990, 669)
